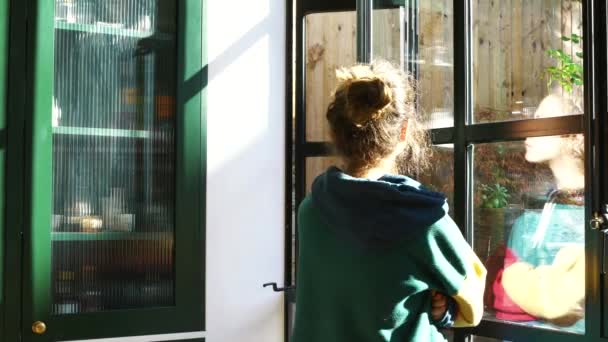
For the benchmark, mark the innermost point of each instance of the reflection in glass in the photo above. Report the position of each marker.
(448, 334)
(113, 124)
(440, 176)
(524, 51)
(529, 230)
(330, 43)
(486, 339)
(417, 35)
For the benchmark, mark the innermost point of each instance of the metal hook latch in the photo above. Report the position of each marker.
(275, 288)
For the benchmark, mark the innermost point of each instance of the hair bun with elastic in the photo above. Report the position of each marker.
(367, 97)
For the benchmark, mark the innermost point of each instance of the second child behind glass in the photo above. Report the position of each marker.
(378, 253)
(546, 247)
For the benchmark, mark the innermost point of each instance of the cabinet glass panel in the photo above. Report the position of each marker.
(113, 121)
(523, 51)
(329, 44)
(529, 221)
(417, 35)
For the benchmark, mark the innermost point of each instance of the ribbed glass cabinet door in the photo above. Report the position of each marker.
(115, 237)
(113, 124)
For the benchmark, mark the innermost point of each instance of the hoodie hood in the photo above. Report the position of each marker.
(376, 213)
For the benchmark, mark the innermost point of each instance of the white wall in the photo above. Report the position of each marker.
(245, 173)
(246, 165)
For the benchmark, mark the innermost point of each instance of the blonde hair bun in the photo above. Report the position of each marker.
(366, 99)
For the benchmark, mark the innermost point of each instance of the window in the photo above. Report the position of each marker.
(503, 89)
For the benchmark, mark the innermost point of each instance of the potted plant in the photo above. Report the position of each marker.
(494, 197)
(489, 219)
(489, 231)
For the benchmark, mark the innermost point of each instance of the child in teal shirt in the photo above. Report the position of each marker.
(546, 247)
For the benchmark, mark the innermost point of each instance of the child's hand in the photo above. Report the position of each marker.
(439, 305)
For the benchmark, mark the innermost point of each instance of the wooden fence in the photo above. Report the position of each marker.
(510, 40)
(509, 50)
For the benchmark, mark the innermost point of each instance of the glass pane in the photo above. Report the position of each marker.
(316, 166)
(448, 334)
(440, 176)
(417, 35)
(529, 221)
(113, 129)
(330, 43)
(486, 339)
(524, 51)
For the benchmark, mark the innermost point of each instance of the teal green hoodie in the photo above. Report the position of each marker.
(369, 254)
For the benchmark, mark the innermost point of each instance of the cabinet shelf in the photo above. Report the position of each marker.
(110, 236)
(110, 30)
(101, 132)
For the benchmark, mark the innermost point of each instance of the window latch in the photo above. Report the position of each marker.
(275, 288)
(597, 221)
(290, 291)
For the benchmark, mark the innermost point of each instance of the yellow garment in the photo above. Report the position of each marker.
(549, 291)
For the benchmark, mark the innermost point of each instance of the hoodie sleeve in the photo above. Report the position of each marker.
(453, 268)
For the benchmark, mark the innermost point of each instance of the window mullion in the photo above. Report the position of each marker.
(462, 94)
(364, 30)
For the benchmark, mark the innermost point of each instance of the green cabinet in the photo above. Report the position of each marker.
(105, 143)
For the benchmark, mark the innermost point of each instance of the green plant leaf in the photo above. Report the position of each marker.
(552, 53)
(567, 72)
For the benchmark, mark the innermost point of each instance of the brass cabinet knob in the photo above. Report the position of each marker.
(39, 327)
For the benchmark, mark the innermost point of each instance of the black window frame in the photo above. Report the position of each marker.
(463, 135)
